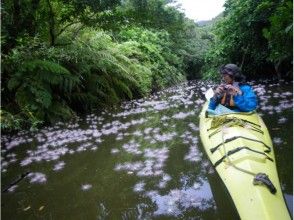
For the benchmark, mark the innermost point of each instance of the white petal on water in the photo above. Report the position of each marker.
(193, 127)
(199, 101)
(158, 172)
(147, 130)
(37, 177)
(164, 118)
(59, 166)
(166, 177)
(137, 133)
(11, 155)
(86, 187)
(26, 162)
(162, 184)
(282, 120)
(94, 148)
(132, 147)
(12, 188)
(139, 187)
(114, 150)
(164, 137)
(277, 140)
(193, 155)
(152, 141)
(183, 115)
(196, 185)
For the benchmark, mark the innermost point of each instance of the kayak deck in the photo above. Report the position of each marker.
(239, 147)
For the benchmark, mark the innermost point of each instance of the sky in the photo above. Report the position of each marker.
(199, 10)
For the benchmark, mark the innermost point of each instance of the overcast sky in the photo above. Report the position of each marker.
(202, 9)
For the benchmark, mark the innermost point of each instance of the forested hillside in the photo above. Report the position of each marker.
(63, 57)
(256, 35)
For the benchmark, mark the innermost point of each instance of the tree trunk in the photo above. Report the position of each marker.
(243, 58)
(277, 68)
(51, 23)
(31, 19)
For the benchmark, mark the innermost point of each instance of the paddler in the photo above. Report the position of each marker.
(233, 93)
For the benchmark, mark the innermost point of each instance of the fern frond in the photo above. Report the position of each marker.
(45, 65)
(83, 100)
(59, 111)
(49, 72)
(122, 89)
(113, 97)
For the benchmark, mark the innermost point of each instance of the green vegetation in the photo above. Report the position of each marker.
(60, 58)
(256, 35)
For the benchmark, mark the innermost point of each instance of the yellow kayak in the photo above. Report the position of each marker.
(241, 150)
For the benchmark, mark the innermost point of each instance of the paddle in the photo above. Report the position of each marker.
(21, 177)
(209, 94)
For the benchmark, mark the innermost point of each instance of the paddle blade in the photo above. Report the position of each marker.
(209, 94)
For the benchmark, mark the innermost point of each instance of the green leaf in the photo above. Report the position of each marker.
(13, 83)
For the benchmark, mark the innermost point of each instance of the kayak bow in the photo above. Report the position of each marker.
(241, 150)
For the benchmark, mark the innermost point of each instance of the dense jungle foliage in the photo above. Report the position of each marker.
(62, 57)
(255, 34)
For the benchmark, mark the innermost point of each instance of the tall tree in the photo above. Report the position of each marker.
(254, 34)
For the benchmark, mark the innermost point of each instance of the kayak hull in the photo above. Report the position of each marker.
(240, 147)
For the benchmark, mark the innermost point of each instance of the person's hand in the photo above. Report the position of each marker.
(233, 90)
(219, 90)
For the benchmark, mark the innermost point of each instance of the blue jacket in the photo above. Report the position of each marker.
(244, 103)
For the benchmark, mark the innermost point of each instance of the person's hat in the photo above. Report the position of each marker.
(234, 71)
(230, 69)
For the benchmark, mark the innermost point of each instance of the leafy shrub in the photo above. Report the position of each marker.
(53, 83)
(155, 52)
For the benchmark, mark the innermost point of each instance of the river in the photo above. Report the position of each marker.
(140, 160)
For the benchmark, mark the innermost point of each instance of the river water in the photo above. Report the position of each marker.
(141, 160)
